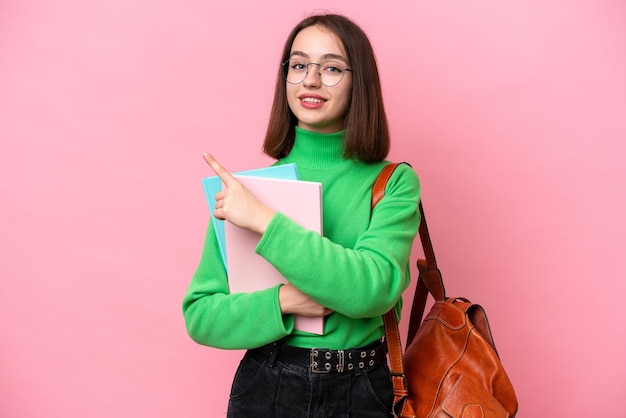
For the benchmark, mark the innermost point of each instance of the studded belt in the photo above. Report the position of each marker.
(323, 360)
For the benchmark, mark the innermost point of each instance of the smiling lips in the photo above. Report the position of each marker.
(310, 101)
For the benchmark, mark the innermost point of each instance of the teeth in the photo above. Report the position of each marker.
(312, 100)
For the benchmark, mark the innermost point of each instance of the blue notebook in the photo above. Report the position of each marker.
(212, 185)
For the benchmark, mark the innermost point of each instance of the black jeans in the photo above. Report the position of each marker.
(266, 388)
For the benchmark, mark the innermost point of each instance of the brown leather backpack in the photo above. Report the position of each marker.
(450, 367)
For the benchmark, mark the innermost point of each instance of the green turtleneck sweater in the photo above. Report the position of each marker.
(359, 268)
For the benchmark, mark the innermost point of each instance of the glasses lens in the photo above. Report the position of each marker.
(294, 71)
(330, 72)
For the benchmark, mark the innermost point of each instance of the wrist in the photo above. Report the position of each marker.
(283, 299)
(264, 220)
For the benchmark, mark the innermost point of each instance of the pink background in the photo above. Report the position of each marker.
(512, 112)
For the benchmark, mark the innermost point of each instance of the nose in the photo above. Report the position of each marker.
(313, 77)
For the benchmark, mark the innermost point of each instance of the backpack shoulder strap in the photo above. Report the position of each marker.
(392, 333)
(429, 280)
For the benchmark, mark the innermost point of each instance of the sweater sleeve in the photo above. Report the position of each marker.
(218, 319)
(360, 282)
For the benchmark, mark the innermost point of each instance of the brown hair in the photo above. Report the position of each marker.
(366, 132)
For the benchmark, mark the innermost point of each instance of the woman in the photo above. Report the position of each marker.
(328, 118)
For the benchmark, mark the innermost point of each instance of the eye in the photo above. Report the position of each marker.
(332, 67)
(297, 66)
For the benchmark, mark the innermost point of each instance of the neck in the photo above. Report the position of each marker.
(317, 151)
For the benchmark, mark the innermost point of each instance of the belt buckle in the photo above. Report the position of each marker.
(316, 361)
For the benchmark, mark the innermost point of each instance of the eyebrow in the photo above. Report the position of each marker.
(324, 57)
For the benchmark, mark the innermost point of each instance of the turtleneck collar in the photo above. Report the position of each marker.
(316, 151)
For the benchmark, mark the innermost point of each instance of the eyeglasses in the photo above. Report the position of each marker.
(331, 72)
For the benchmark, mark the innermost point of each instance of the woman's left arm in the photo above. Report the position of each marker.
(359, 282)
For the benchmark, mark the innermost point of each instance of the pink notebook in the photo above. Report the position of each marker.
(247, 271)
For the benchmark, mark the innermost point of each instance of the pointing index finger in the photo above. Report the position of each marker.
(219, 170)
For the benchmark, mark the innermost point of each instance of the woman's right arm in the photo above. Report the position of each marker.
(239, 321)
(246, 320)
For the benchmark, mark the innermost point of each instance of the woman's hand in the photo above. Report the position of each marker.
(235, 204)
(293, 301)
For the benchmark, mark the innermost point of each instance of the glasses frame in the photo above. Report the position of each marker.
(319, 72)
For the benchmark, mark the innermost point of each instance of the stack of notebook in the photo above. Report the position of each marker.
(279, 188)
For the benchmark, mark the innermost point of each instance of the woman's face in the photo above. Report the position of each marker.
(317, 107)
